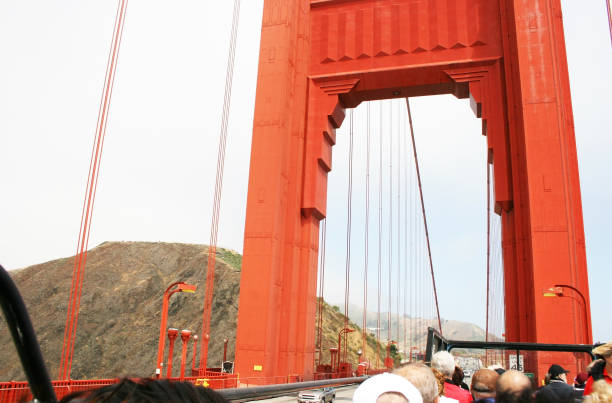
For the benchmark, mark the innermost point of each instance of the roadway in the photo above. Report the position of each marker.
(343, 394)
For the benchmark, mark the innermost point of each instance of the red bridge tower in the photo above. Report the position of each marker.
(319, 57)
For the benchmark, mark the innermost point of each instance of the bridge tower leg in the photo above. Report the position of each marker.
(318, 57)
(543, 234)
(275, 335)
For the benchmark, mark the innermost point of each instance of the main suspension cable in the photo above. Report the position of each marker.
(418, 173)
(214, 228)
(609, 8)
(80, 258)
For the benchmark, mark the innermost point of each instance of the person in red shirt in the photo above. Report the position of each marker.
(602, 369)
(444, 362)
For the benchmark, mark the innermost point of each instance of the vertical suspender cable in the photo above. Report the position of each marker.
(390, 216)
(416, 164)
(90, 192)
(348, 232)
(380, 200)
(412, 261)
(399, 249)
(405, 228)
(321, 288)
(488, 248)
(367, 228)
(214, 228)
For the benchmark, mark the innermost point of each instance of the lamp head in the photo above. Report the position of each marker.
(553, 292)
(187, 288)
(185, 334)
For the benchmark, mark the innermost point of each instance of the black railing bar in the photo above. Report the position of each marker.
(501, 345)
(281, 389)
(25, 340)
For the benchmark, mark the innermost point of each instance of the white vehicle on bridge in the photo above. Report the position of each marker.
(324, 395)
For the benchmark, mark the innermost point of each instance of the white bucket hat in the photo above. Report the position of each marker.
(372, 388)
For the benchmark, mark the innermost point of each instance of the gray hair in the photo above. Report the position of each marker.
(421, 376)
(444, 362)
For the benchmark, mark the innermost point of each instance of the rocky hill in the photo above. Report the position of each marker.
(120, 309)
(119, 318)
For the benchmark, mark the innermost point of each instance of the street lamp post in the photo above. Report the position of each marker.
(195, 350)
(180, 287)
(185, 336)
(342, 331)
(172, 335)
(557, 291)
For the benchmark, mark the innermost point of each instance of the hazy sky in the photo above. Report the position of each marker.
(157, 176)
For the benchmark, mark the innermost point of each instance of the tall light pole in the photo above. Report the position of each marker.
(557, 291)
(180, 287)
(185, 336)
(342, 331)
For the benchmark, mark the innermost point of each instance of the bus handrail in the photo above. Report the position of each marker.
(28, 349)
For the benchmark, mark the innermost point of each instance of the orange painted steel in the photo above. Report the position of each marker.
(180, 287)
(319, 57)
(172, 335)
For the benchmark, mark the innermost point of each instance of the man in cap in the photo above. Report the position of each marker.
(483, 385)
(602, 369)
(557, 390)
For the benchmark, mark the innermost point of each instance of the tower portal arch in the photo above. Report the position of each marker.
(320, 57)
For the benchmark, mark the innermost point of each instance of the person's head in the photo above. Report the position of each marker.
(558, 373)
(602, 392)
(440, 378)
(421, 376)
(594, 364)
(483, 383)
(386, 388)
(458, 376)
(513, 387)
(444, 362)
(605, 352)
(581, 378)
(149, 390)
(497, 368)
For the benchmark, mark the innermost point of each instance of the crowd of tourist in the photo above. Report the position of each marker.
(442, 382)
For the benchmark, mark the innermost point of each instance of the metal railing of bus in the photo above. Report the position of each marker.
(28, 349)
(436, 342)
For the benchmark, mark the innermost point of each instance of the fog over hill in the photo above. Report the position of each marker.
(452, 329)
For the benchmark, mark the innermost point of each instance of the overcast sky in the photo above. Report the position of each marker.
(157, 176)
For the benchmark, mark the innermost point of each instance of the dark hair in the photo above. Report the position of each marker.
(147, 391)
(458, 376)
(522, 395)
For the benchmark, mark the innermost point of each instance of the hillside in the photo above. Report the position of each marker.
(119, 318)
(120, 309)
